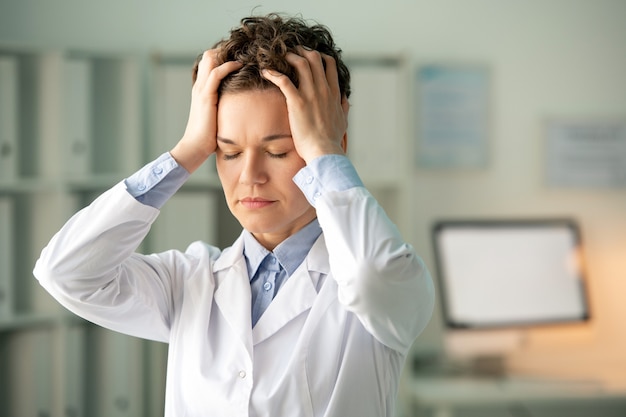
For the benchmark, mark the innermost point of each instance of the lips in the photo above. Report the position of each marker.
(256, 202)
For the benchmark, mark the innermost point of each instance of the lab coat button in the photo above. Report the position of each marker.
(317, 195)
(242, 374)
(309, 179)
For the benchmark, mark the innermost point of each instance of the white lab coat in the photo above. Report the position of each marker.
(332, 342)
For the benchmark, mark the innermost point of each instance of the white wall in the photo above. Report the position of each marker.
(549, 58)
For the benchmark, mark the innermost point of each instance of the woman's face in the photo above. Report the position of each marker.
(256, 161)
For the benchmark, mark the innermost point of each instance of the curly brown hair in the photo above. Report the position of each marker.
(262, 42)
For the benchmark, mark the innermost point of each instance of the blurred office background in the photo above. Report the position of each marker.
(546, 61)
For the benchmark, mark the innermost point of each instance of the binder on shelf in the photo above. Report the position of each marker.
(6, 259)
(75, 370)
(117, 118)
(9, 96)
(131, 150)
(46, 99)
(188, 216)
(78, 117)
(31, 373)
(116, 375)
(155, 377)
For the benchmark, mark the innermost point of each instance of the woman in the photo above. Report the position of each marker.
(313, 309)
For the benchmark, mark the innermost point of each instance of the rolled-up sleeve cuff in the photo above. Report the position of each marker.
(327, 173)
(157, 181)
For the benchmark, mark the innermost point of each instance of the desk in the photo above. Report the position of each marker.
(435, 396)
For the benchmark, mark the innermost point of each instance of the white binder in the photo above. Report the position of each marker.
(30, 371)
(75, 358)
(117, 377)
(9, 101)
(78, 117)
(6, 259)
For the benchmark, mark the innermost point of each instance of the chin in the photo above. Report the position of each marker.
(259, 227)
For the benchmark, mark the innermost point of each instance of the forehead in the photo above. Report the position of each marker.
(240, 97)
(252, 113)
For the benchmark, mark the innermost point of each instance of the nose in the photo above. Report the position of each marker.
(253, 170)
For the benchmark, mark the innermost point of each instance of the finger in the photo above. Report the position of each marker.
(220, 72)
(316, 64)
(206, 62)
(303, 68)
(208, 87)
(332, 74)
(281, 81)
(345, 106)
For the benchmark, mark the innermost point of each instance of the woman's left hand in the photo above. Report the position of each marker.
(318, 113)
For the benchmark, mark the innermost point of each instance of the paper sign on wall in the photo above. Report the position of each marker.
(586, 154)
(452, 116)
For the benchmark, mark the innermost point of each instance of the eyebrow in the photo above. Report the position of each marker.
(265, 139)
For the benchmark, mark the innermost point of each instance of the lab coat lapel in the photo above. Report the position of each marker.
(232, 295)
(296, 295)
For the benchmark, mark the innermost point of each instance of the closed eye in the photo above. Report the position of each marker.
(277, 155)
(230, 156)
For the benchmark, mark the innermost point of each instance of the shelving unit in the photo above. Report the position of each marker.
(72, 124)
(64, 115)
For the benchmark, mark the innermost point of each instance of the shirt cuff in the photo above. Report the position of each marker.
(325, 174)
(157, 181)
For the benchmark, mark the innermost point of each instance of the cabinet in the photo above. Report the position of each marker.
(74, 123)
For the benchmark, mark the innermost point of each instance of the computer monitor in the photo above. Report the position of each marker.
(498, 277)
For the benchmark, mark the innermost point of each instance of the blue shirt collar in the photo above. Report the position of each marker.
(290, 252)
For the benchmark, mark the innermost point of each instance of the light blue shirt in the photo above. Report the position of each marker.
(269, 270)
(157, 181)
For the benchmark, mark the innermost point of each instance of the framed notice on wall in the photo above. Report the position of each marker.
(452, 116)
(585, 154)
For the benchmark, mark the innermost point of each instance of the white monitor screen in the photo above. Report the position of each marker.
(504, 273)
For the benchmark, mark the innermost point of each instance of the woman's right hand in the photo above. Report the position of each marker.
(199, 140)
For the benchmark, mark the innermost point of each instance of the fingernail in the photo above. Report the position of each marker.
(266, 72)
